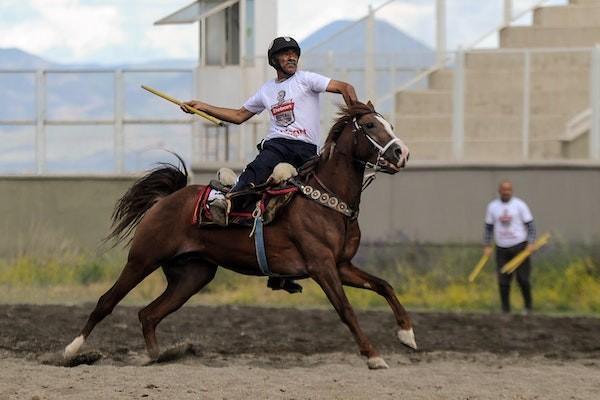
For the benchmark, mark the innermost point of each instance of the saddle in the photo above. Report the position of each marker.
(264, 200)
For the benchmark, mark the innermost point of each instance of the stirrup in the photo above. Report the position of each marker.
(289, 285)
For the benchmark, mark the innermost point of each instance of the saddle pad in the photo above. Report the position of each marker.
(271, 201)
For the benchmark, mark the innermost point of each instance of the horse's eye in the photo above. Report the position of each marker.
(370, 125)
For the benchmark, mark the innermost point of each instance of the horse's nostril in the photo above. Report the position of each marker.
(398, 153)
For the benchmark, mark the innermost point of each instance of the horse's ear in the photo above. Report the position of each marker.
(370, 105)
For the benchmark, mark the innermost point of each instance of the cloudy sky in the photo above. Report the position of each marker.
(117, 31)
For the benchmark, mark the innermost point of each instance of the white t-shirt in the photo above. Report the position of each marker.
(293, 106)
(509, 221)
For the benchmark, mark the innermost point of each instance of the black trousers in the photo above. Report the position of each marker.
(504, 255)
(272, 152)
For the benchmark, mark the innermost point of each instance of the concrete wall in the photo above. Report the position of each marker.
(45, 212)
(446, 203)
(428, 203)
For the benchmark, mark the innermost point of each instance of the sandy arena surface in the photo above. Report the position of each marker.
(262, 353)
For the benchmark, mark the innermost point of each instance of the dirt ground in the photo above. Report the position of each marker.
(268, 353)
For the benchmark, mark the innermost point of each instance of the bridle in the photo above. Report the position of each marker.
(326, 196)
(380, 149)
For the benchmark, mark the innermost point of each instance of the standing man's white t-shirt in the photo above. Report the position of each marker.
(509, 221)
(293, 106)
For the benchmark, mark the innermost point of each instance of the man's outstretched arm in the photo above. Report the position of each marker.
(226, 114)
(345, 89)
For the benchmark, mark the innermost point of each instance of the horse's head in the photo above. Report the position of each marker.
(374, 141)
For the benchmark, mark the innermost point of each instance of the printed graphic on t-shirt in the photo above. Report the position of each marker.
(505, 219)
(283, 111)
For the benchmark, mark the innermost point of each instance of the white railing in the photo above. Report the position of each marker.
(578, 125)
(126, 120)
(206, 146)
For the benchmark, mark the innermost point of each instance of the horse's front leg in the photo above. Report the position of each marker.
(326, 275)
(355, 277)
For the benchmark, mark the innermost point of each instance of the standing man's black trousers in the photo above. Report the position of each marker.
(504, 255)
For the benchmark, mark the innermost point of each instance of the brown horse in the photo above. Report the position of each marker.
(307, 240)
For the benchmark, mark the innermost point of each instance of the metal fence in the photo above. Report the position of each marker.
(518, 107)
(63, 114)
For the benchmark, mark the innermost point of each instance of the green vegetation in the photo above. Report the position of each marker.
(566, 279)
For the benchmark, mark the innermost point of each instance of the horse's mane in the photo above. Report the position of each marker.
(345, 115)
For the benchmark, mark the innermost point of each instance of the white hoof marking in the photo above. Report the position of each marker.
(377, 363)
(407, 337)
(74, 347)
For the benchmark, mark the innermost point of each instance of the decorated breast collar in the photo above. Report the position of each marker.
(325, 198)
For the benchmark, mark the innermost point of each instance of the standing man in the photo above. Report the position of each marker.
(510, 222)
(292, 100)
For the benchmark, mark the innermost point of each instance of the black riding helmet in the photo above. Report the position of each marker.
(279, 44)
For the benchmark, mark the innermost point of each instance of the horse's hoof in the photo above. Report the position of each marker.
(407, 337)
(72, 349)
(153, 355)
(377, 363)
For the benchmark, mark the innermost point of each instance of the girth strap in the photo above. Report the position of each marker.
(259, 244)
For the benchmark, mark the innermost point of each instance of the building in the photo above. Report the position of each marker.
(233, 39)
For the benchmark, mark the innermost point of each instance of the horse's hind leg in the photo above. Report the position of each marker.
(134, 272)
(183, 281)
(355, 277)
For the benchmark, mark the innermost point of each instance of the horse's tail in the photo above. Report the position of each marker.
(145, 192)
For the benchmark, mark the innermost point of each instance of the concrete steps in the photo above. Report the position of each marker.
(507, 102)
(540, 61)
(585, 3)
(484, 151)
(478, 80)
(430, 151)
(425, 102)
(559, 89)
(533, 36)
(480, 127)
(567, 16)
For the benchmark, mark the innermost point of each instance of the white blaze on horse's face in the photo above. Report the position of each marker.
(400, 159)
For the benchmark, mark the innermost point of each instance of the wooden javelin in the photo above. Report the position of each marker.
(478, 267)
(519, 258)
(212, 119)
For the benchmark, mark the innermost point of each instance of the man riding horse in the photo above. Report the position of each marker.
(292, 99)
(316, 236)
